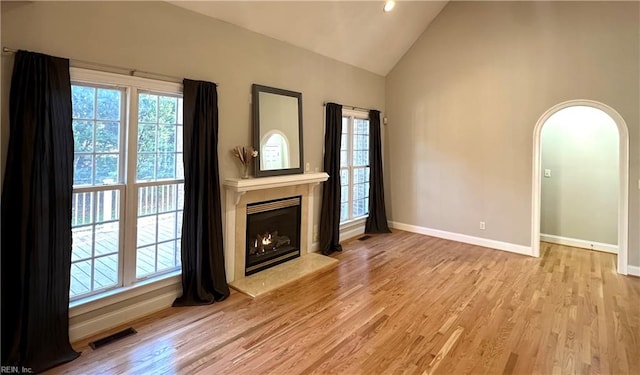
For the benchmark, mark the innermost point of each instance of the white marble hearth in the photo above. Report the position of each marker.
(282, 274)
(239, 193)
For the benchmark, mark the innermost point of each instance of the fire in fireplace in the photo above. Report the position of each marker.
(273, 233)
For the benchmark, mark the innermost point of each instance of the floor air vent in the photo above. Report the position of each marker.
(111, 338)
(364, 238)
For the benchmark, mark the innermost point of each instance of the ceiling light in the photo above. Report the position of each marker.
(388, 6)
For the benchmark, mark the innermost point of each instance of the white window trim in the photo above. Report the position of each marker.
(352, 221)
(130, 286)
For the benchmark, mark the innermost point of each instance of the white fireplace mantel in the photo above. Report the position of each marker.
(240, 186)
(237, 188)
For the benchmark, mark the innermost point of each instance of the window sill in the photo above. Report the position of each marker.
(352, 228)
(353, 222)
(110, 297)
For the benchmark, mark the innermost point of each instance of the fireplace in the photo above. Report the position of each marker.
(273, 233)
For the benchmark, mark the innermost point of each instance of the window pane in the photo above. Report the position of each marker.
(83, 170)
(167, 198)
(81, 209)
(159, 138)
(96, 130)
(82, 243)
(80, 278)
(147, 108)
(83, 99)
(96, 241)
(179, 166)
(180, 188)
(166, 227)
(147, 230)
(344, 194)
(146, 261)
(146, 167)
(358, 190)
(159, 233)
(107, 238)
(359, 208)
(344, 211)
(361, 142)
(107, 136)
(344, 159)
(344, 177)
(179, 135)
(360, 175)
(360, 158)
(166, 138)
(166, 256)
(178, 253)
(107, 205)
(82, 136)
(180, 113)
(166, 166)
(167, 110)
(106, 169)
(361, 126)
(105, 271)
(108, 104)
(147, 138)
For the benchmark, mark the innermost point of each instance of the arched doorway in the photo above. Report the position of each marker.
(623, 196)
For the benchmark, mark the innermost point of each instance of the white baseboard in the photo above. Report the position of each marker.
(633, 270)
(121, 316)
(579, 243)
(478, 241)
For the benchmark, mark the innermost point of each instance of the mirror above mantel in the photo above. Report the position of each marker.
(277, 131)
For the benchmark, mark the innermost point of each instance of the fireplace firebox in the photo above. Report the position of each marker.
(273, 233)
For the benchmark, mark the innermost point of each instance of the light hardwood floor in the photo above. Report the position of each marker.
(403, 303)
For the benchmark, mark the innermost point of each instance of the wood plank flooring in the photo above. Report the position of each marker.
(403, 303)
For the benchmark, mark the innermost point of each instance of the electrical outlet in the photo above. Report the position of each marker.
(547, 173)
(482, 226)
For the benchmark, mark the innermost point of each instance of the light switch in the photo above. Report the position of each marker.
(547, 172)
(307, 167)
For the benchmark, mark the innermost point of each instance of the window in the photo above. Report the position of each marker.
(354, 166)
(128, 181)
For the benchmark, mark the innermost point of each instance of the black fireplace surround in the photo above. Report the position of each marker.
(273, 233)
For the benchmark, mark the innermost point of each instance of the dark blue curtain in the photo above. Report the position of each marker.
(203, 276)
(377, 220)
(36, 215)
(330, 209)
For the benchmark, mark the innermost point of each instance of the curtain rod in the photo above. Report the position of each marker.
(348, 107)
(132, 72)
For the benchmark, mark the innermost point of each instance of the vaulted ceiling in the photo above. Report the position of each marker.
(354, 32)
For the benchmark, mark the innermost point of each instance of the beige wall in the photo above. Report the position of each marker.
(580, 197)
(161, 38)
(464, 100)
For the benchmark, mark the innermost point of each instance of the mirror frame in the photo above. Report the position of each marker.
(255, 100)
